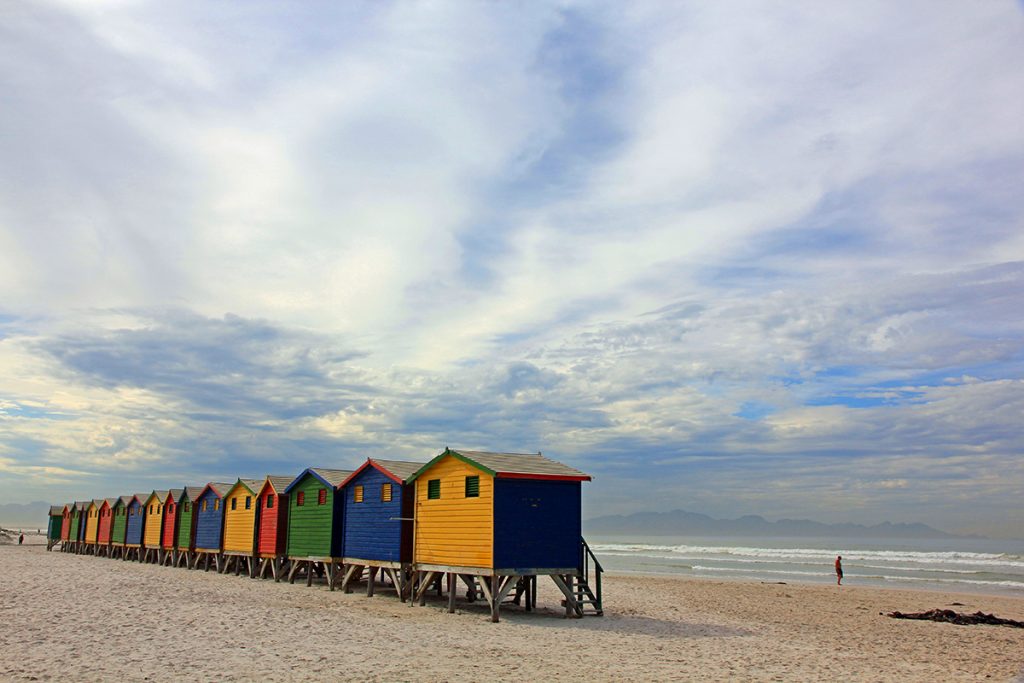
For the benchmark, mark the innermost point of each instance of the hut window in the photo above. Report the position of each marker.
(321, 497)
(434, 489)
(473, 486)
(187, 505)
(385, 493)
(234, 503)
(270, 502)
(204, 505)
(300, 499)
(357, 493)
(248, 502)
(216, 504)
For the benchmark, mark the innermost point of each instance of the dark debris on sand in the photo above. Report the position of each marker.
(949, 616)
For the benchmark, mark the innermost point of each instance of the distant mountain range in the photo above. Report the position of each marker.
(683, 523)
(27, 515)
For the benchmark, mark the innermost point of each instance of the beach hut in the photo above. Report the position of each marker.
(133, 528)
(78, 526)
(314, 524)
(377, 523)
(240, 527)
(118, 526)
(91, 523)
(185, 511)
(153, 526)
(65, 527)
(210, 525)
(168, 527)
(272, 527)
(497, 521)
(103, 527)
(53, 525)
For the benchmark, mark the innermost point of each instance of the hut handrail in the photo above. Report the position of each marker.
(586, 557)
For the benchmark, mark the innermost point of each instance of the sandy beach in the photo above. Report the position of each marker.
(86, 618)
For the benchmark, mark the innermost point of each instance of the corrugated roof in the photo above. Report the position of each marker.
(98, 502)
(111, 501)
(82, 504)
(160, 495)
(127, 500)
(219, 487)
(333, 477)
(192, 492)
(174, 494)
(526, 465)
(56, 510)
(279, 483)
(253, 485)
(403, 469)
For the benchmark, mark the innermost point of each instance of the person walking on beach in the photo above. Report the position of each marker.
(839, 570)
(21, 539)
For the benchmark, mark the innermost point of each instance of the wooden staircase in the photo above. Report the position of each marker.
(586, 587)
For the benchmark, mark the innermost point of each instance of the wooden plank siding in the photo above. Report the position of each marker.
(210, 521)
(314, 529)
(65, 524)
(154, 519)
(240, 517)
(133, 525)
(186, 513)
(373, 528)
(92, 522)
(105, 521)
(272, 517)
(75, 522)
(454, 530)
(167, 535)
(120, 516)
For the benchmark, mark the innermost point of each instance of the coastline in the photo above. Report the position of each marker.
(82, 617)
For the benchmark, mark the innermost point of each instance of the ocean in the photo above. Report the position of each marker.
(960, 565)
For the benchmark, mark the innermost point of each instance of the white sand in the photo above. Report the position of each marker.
(87, 618)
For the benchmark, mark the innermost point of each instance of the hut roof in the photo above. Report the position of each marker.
(110, 501)
(512, 465)
(98, 502)
(278, 483)
(252, 484)
(57, 510)
(332, 478)
(401, 471)
(82, 505)
(161, 496)
(218, 487)
(191, 492)
(127, 500)
(174, 494)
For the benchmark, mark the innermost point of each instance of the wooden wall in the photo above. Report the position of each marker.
(170, 520)
(537, 524)
(92, 520)
(239, 523)
(154, 522)
(454, 530)
(371, 529)
(117, 526)
(273, 522)
(186, 514)
(133, 525)
(209, 522)
(312, 531)
(103, 528)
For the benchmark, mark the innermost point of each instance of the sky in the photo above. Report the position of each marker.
(733, 257)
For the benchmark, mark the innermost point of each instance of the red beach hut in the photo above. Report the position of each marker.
(272, 527)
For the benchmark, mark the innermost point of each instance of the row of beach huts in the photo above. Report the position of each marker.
(489, 522)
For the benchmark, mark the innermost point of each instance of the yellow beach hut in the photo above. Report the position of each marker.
(240, 526)
(497, 521)
(92, 525)
(153, 524)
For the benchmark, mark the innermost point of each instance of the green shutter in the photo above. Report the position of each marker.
(473, 486)
(434, 489)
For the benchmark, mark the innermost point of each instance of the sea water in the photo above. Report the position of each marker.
(960, 565)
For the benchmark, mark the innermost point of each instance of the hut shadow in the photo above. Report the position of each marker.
(619, 623)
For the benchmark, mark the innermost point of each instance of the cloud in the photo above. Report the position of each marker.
(747, 259)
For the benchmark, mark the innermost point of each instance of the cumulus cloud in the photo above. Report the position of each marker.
(763, 260)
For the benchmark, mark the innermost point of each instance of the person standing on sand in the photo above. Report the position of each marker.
(21, 539)
(839, 570)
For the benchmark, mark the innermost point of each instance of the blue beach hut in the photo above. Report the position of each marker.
(377, 523)
(133, 527)
(210, 525)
